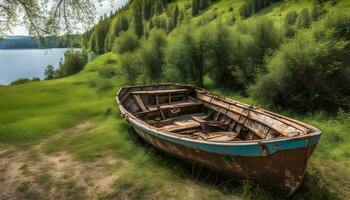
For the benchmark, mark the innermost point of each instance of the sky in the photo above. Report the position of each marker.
(101, 8)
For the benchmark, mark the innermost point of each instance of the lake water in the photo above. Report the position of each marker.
(23, 63)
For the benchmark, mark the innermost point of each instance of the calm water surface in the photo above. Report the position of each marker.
(15, 64)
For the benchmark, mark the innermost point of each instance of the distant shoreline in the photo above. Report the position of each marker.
(38, 48)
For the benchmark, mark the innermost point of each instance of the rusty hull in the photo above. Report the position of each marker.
(277, 163)
(282, 171)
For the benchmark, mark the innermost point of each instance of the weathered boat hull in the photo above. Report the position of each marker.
(277, 163)
(282, 168)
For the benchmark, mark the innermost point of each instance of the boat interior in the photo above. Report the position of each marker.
(191, 112)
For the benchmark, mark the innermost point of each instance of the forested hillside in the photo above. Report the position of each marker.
(63, 138)
(286, 53)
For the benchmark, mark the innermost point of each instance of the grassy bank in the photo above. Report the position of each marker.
(66, 137)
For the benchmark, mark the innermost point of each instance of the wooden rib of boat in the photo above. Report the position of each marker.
(233, 138)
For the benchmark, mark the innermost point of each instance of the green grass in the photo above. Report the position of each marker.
(47, 110)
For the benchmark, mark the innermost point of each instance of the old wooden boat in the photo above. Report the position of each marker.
(233, 138)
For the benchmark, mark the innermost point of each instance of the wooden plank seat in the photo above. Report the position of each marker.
(172, 105)
(157, 92)
(179, 126)
(221, 136)
(175, 104)
(183, 123)
(205, 123)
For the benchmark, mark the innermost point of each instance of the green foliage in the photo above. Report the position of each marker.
(152, 55)
(74, 61)
(126, 42)
(289, 21)
(189, 57)
(119, 25)
(231, 64)
(198, 5)
(101, 31)
(289, 31)
(310, 73)
(304, 19)
(130, 65)
(147, 9)
(23, 81)
(159, 7)
(195, 7)
(158, 22)
(315, 12)
(138, 20)
(49, 72)
(254, 6)
(291, 17)
(245, 10)
(267, 38)
(175, 17)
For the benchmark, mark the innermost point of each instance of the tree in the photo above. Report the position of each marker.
(266, 37)
(204, 4)
(159, 22)
(99, 34)
(138, 23)
(245, 10)
(74, 61)
(190, 54)
(159, 7)
(42, 20)
(147, 9)
(119, 25)
(291, 17)
(303, 20)
(49, 72)
(310, 72)
(195, 7)
(126, 42)
(152, 54)
(175, 16)
(315, 12)
(130, 66)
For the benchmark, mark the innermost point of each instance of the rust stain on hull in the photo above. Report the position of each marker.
(238, 141)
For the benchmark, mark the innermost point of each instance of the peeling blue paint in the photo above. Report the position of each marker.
(254, 149)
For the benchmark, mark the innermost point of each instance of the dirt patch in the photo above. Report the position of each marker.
(55, 176)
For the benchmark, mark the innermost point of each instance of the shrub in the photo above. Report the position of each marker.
(291, 17)
(304, 19)
(289, 31)
(189, 55)
(126, 42)
(245, 10)
(130, 66)
(309, 73)
(152, 55)
(107, 72)
(158, 22)
(266, 37)
(119, 25)
(20, 81)
(74, 61)
(49, 72)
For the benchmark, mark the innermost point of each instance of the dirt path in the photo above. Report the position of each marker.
(35, 175)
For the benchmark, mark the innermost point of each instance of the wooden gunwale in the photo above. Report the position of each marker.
(127, 114)
(280, 118)
(275, 116)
